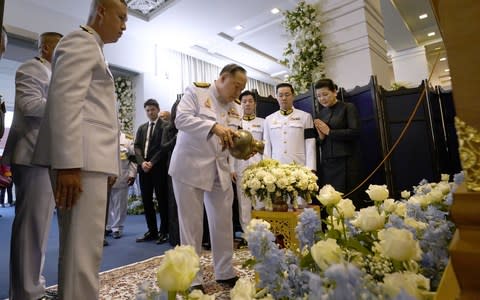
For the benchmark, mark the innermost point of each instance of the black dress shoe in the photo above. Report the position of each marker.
(116, 235)
(147, 237)
(162, 238)
(228, 282)
(105, 243)
(108, 232)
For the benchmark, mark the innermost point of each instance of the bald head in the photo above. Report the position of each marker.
(47, 43)
(108, 18)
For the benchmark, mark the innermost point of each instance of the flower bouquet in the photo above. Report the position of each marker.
(269, 181)
(395, 249)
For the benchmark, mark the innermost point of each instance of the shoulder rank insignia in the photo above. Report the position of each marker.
(238, 101)
(87, 29)
(202, 84)
(208, 103)
(233, 113)
(129, 136)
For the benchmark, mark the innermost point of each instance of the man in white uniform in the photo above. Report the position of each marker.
(254, 125)
(207, 118)
(288, 133)
(78, 140)
(117, 210)
(34, 204)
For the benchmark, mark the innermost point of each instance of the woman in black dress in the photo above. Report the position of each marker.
(338, 128)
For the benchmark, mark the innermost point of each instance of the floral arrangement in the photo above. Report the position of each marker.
(395, 249)
(304, 53)
(268, 180)
(126, 103)
(175, 275)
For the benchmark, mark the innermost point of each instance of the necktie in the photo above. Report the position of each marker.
(149, 137)
(152, 124)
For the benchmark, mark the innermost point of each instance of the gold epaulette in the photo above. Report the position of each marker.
(238, 101)
(202, 84)
(129, 136)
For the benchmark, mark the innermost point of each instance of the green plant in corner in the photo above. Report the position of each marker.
(304, 53)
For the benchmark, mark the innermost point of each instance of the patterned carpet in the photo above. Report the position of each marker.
(122, 283)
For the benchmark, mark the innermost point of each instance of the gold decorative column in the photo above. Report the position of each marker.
(459, 22)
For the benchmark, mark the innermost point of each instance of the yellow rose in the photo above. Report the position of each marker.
(401, 209)
(445, 177)
(178, 269)
(415, 224)
(368, 219)
(325, 253)
(399, 244)
(377, 192)
(244, 289)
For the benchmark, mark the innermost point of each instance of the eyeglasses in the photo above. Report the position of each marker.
(284, 95)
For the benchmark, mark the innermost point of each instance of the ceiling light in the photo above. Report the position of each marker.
(443, 59)
(275, 11)
(424, 16)
(239, 27)
(447, 70)
(448, 78)
(438, 48)
(431, 33)
(278, 73)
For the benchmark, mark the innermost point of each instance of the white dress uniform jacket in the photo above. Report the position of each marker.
(35, 204)
(31, 87)
(197, 149)
(284, 138)
(82, 103)
(127, 168)
(255, 127)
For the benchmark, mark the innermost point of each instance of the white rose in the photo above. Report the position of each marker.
(401, 209)
(178, 269)
(435, 195)
(444, 187)
(377, 192)
(410, 282)
(445, 177)
(368, 219)
(405, 194)
(415, 224)
(422, 200)
(253, 224)
(329, 196)
(399, 244)
(269, 179)
(254, 184)
(345, 208)
(244, 289)
(389, 205)
(325, 253)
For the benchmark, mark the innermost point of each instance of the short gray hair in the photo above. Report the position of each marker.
(94, 6)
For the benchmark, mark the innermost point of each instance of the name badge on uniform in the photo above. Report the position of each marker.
(295, 119)
(256, 125)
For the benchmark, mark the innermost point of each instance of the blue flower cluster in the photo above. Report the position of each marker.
(308, 226)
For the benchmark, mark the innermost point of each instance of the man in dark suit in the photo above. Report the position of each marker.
(153, 173)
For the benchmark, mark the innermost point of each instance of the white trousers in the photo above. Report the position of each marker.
(117, 210)
(244, 205)
(218, 205)
(81, 240)
(30, 229)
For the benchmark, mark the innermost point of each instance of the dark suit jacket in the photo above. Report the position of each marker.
(344, 123)
(154, 155)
